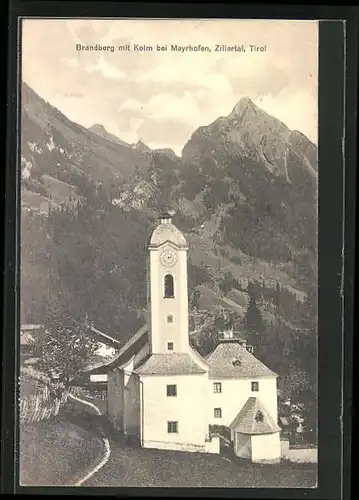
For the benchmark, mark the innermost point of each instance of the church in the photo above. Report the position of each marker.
(162, 394)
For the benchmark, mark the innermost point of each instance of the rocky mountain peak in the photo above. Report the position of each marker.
(101, 131)
(167, 151)
(244, 106)
(97, 127)
(141, 146)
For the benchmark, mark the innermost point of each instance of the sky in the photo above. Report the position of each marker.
(161, 97)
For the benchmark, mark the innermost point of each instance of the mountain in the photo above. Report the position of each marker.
(168, 152)
(246, 187)
(58, 154)
(265, 174)
(249, 132)
(102, 132)
(244, 192)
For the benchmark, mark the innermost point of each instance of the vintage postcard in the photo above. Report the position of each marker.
(169, 201)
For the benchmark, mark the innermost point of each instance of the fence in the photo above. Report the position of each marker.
(33, 374)
(47, 400)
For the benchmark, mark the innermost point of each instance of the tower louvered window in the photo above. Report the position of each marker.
(168, 286)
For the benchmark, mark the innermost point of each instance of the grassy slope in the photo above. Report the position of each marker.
(202, 254)
(57, 452)
(143, 468)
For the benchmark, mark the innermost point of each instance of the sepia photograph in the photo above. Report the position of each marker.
(169, 244)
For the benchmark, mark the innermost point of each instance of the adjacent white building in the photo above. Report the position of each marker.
(161, 392)
(255, 434)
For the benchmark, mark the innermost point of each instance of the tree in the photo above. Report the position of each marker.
(208, 339)
(255, 327)
(233, 320)
(255, 289)
(196, 295)
(253, 320)
(297, 384)
(196, 275)
(206, 344)
(65, 348)
(227, 282)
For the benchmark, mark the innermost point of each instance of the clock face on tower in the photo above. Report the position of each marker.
(168, 258)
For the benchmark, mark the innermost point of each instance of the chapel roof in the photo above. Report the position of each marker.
(174, 363)
(167, 232)
(253, 418)
(231, 359)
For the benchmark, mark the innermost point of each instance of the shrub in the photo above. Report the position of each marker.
(222, 430)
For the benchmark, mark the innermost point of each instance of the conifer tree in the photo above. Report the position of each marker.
(196, 295)
(254, 327)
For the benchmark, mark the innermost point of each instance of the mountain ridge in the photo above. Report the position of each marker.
(100, 130)
(246, 178)
(54, 145)
(244, 193)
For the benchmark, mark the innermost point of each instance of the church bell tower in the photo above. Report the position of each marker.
(167, 289)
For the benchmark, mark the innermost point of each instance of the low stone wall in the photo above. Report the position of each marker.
(193, 448)
(299, 455)
(284, 447)
(213, 446)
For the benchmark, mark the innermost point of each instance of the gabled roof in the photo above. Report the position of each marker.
(232, 360)
(30, 327)
(26, 338)
(199, 359)
(105, 338)
(254, 419)
(31, 332)
(175, 363)
(131, 348)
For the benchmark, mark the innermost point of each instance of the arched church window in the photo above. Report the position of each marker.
(169, 286)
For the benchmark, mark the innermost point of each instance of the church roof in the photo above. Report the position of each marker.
(231, 359)
(167, 232)
(131, 348)
(174, 363)
(254, 419)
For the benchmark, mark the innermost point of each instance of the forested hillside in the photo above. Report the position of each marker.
(244, 192)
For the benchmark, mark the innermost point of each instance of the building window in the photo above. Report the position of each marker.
(255, 386)
(170, 318)
(170, 346)
(171, 390)
(218, 413)
(172, 427)
(217, 387)
(168, 286)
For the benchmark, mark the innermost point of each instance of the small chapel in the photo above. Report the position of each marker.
(162, 394)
